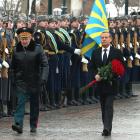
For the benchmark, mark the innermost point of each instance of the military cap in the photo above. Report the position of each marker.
(83, 17)
(73, 19)
(6, 19)
(129, 17)
(21, 19)
(63, 17)
(24, 32)
(111, 19)
(138, 17)
(133, 13)
(52, 19)
(42, 18)
(32, 16)
(135, 17)
(124, 18)
(117, 18)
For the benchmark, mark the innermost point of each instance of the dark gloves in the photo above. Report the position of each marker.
(42, 82)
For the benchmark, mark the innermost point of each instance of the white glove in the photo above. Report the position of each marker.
(131, 57)
(84, 60)
(5, 64)
(0, 66)
(6, 51)
(137, 56)
(124, 58)
(77, 51)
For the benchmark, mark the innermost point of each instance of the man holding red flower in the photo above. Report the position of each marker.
(106, 89)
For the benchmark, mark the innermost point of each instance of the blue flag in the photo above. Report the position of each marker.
(97, 24)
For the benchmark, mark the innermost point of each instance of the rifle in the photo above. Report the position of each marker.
(13, 42)
(121, 40)
(136, 62)
(4, 71)
(4, 42)
(115, 41)
(129, 61)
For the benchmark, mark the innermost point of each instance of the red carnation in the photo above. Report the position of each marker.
(117, 67)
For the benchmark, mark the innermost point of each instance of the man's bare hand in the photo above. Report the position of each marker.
(97, 77)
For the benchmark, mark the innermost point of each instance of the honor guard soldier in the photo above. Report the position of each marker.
(89, 97)
(40, 37)
(58, 46)
(66, 56)
(73, 94)
(130, 57)
(135, 42)
(40, 34)
(6, 45)
(120, 44)
(33, 21)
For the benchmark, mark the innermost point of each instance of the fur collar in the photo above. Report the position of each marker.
(30, 47)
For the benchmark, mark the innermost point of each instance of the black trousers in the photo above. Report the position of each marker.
(106, 102)
(24, 96)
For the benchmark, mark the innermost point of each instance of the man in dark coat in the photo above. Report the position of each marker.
(106, 90)
(30, 71)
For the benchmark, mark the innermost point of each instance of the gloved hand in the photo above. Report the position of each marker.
(42, 82)
(77, 51)
(5, 64)
(84, 60)
(0, 66)
(137, 56)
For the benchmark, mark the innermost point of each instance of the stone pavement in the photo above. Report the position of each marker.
(81, 123)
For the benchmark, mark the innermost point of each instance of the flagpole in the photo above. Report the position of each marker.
(126, 7)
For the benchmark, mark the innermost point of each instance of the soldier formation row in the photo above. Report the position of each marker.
(61, 39)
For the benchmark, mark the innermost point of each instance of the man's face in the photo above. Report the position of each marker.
(118, 23)
(21, 24)
(25, 41)
(111, 24)
(75, 24)
(42, 24)
(125, 23)
(64, 23)
(130, 22)
(138, 22)
(52, 25)
(105, 39)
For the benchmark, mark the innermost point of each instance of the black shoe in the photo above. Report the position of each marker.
(94, 99)
(44, 109)
(106, 132)
(134, 95)
(33, 130)
(75, 103)
(69, 103)
(85, 103)
(17, 128)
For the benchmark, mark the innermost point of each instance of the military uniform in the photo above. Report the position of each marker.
(30, 70)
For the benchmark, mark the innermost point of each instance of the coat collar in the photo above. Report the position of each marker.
(30, 47)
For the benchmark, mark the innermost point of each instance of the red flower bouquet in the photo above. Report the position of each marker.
(114, 68)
